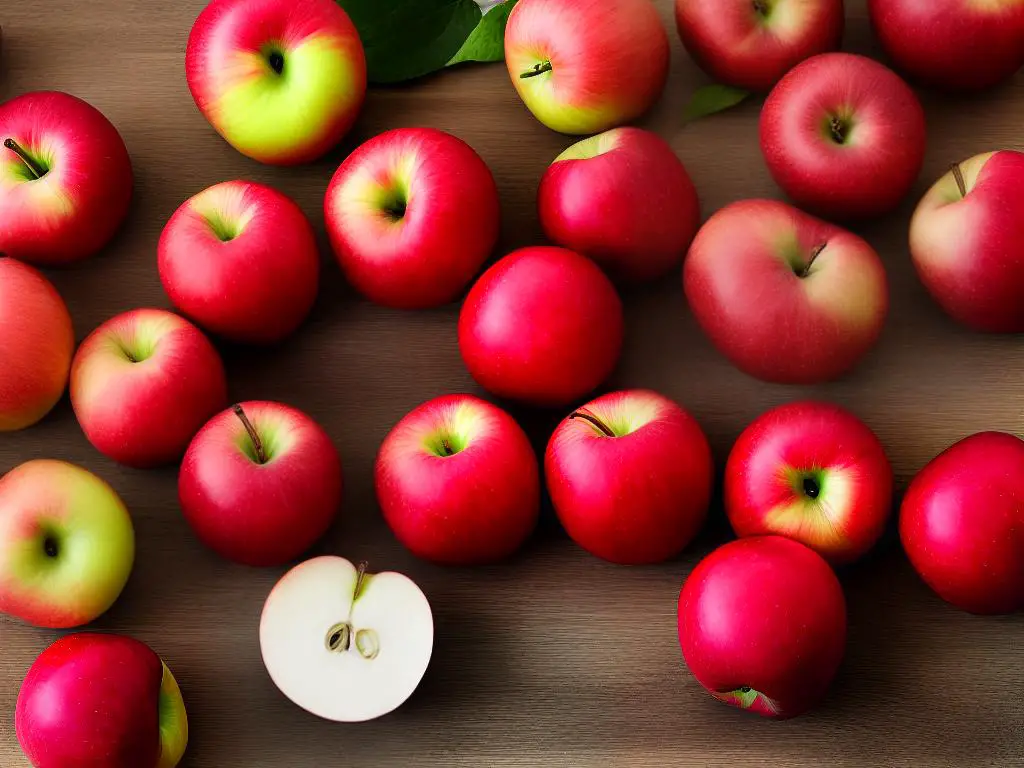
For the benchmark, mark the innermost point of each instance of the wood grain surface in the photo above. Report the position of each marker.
(554, 659)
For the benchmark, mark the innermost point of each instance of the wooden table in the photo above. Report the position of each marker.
(554, 659)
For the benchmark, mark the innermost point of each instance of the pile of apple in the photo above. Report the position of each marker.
(783, 290)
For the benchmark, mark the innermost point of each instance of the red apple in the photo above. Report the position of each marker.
(143, 383)
(630, 475)
(282, 82)
(260, 483)
(96, 700)
(814, 472)
(543, 325)
(785, 296)
(762, 625)
(240, 259)
(37, 339)
(961, 522)
(584, 66)
(624, 199)
(412, 216)
(66, 179)
(843, 136)
(458, 482)
(751, 44)
(967, 242)
(963, 45)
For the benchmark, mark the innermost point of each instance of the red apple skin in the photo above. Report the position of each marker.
(256, 287)
(640, 495)
(261, 514)
(968, 249)
(37, 340)
(632, 208)
(742, 281)
(878, 118)
(956, 45)
(474, 506)
(543, 325)
(768, 614)
(91, 700)
(79, 205)
(842, 512)
(738, 46)
(144, 414)
(449, 226)
(961, 523)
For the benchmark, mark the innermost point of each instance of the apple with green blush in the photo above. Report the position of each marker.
(624, 199)
(66, 179)
(812, 471)
(458, 481)
(260, 483)
(584, 66)
(762, 625)
(281, 82)
(101, 700)
(143, 383)
(67, 544)
(412, 215)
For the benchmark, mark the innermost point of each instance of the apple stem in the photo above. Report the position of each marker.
(360, 576)
(261, 455)
(538, 69)
(814, 254)
(593, 420)
(958, 174)
(34, 168)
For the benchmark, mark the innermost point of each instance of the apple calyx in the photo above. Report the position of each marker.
(276, 62)
(958, 174)
(257, 443)
(838, 128)
(810, 487)
(596, 422)
(340, 637)
(50, 547)
(34, 168)
(761, 7)
(446, 446)
(538, 69)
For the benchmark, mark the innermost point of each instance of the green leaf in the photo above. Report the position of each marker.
(406, 39)
(713, 98)
(487, 41)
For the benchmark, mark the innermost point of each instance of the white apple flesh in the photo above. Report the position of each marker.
(343, 644)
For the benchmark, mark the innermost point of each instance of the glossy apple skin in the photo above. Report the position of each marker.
(230, 76)
(78, 206)
(968, 250)
(742, 283)
(765, 613)
(449, 226)
(737, 46)
(258, 286)
(144, 414)
(842, 514)
(543, 325)
(609, 61)
(623, 199)
(261, 514)
(45, 502)
(961, 523)
(37, 340)
(957, 45)
(874, 168)
(639, 496)
(477, 505)
(98, 700)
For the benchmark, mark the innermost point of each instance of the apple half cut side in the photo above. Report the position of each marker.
(344, 644)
